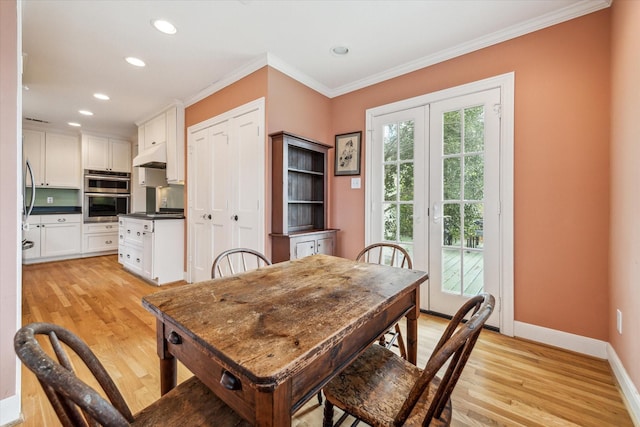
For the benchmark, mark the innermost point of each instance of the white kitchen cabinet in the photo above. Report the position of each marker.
(154, 132)
(168, 128)
(106, 154)
(152, 249)
(54, 158)
(60, 235)
(54, 237)
(99, 238)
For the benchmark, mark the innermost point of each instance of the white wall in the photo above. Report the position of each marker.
(10, 208)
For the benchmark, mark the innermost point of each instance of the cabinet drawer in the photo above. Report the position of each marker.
(99, 242)
(134, 231)
(133, 259)
(211, 372)
(107, 227)
(59, 219)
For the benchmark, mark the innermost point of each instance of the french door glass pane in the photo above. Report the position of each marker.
(398, 146)
(390, 221)
(390, 182)
(463, 207)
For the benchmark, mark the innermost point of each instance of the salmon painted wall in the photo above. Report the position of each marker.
(247, 89)
(561, 165)
(625, 176)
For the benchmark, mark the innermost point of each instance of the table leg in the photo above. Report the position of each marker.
(168, 374)
(412, 330)
(168, 363)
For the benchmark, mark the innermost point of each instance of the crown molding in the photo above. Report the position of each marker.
(240, 73)
(572, 11)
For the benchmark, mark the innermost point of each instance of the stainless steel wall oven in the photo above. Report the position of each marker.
(106, 195)
(107, 182)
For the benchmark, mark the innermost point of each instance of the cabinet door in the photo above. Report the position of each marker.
(62, 161)
(304, 248)
(120, 155)
(60, 239)
(155, 131)
(33, 235)
(33, 149)
(96, 152)
(325, 246)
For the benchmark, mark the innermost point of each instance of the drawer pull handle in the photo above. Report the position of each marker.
(230, 382)
(174, 338)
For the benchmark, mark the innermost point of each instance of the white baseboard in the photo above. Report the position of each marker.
(565, 340)
(629, 390)
(591, 347)
(10, 410)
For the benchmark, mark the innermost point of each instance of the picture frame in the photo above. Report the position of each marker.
(347, 154)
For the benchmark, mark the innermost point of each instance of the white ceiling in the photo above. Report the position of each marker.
(74, 48)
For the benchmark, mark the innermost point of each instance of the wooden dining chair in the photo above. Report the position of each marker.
(382, 389)
(395, 256)
(242, 258)
(77, 404)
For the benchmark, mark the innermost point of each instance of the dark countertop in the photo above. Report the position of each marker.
(56, 210)
(154, 216)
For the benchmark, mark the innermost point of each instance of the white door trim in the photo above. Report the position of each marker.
(506, 83)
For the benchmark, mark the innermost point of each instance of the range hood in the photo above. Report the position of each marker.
(154, 157)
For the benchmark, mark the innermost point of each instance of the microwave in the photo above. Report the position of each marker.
(107, 182)
(104, 207)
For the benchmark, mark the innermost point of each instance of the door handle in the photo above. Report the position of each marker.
(234, 217)
(437, 217)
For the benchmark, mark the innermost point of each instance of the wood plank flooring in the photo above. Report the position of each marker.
(507, 382)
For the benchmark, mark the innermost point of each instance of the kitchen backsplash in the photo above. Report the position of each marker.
(59, 197)
(171, 197)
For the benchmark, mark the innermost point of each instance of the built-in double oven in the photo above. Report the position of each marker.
(106, 195)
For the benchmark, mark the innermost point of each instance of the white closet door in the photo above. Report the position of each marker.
(248, 192)
(223, 172)
(226, 186)
(201, 249)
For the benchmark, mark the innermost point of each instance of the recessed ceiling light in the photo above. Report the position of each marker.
(74, 124)
(135, 61)
(85, 112)
(340, 50)
(164, 26)
(101, 96)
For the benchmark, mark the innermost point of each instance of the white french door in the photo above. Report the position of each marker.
(434, 186)
(464, 181)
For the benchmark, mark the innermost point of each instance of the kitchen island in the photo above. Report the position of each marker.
(151, 245)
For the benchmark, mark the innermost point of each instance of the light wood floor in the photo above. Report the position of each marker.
(507, 382)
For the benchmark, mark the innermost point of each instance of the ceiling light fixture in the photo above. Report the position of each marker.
(164, 26)
(74, 124)
(85, 112)
(340, 50)
(101, 96)
(135, 61)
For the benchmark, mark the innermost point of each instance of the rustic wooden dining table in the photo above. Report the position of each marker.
(266, 341)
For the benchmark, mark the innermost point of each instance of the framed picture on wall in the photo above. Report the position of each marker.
(347, 154)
